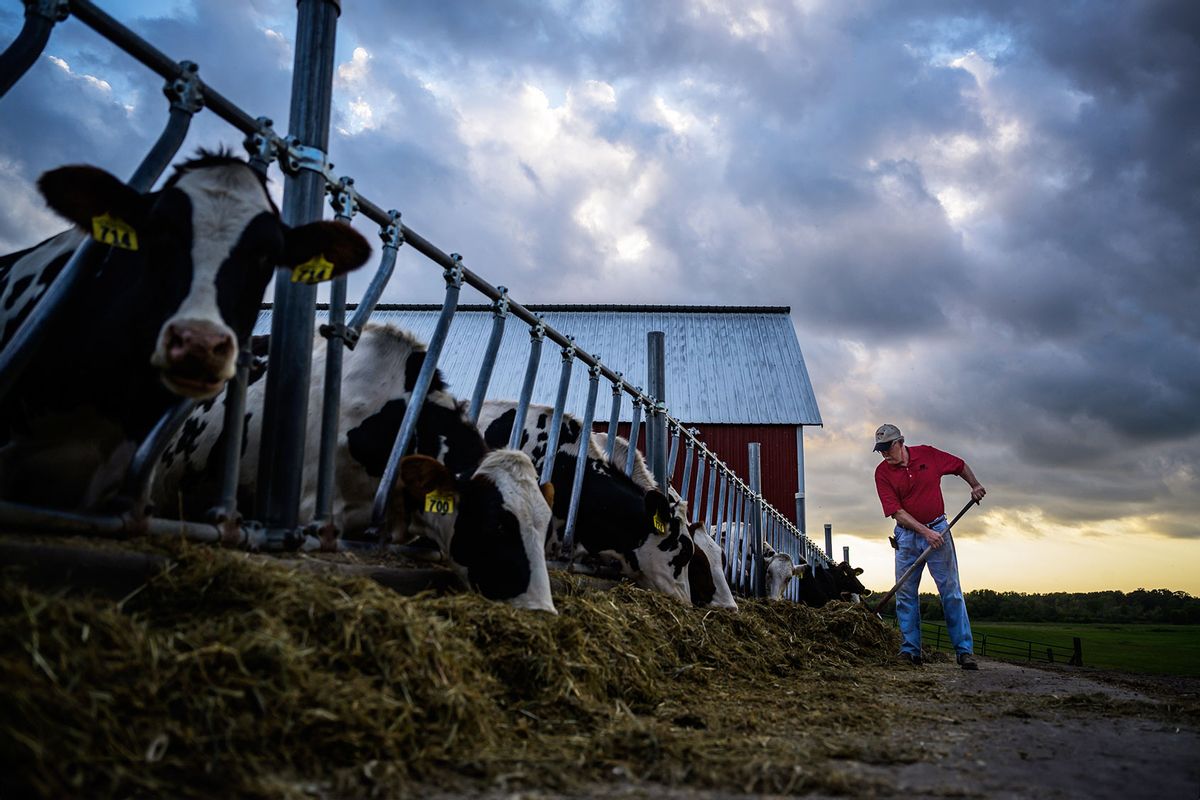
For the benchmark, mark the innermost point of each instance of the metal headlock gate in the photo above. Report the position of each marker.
(737, 513)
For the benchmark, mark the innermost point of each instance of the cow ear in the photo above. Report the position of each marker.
(658, 509)
(327, 242)
(858, 570)
(548, 493)
(798, 571)
(422, 475)
(81, 193)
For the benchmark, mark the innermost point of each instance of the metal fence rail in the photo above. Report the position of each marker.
(1009, 648)
(739, 505)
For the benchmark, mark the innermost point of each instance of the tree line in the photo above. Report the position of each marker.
(1141, 605)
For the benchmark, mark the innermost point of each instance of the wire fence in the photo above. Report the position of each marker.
(935, 636)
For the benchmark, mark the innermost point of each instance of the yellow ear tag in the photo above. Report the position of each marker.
(660, 524)
(315, 270)
(436, 503)
(107, 229)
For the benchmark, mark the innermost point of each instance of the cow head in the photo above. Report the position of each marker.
(706, 571)
(490, 526)
(849, 587)
(194, 260)
(663, 556)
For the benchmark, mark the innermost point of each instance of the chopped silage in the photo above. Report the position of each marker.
(238, 675)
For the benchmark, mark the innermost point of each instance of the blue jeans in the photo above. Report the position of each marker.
(943, 566)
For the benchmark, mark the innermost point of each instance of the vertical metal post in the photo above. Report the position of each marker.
(537, 334)
(344, 200)
(499, 317)
(634, 427)
(285, 411)
(40, 16)
(416, 399)
(226, 511)
(589, 413)
(673, 456)
(846, 553)
(754, 452)
(689, 449)
(709, 511)
(614, 418)
(722, 504)
(828, 540)
(698, 491)
(560, 401)
(739, 551)
(800, 511)
(656, 383)
(392, 235)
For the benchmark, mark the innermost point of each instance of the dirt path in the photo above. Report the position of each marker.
(1005, 731)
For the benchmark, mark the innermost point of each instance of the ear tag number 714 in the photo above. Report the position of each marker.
(660, 524)
(114, 232)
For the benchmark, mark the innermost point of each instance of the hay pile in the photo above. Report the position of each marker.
(235, 675)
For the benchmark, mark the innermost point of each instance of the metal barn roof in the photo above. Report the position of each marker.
(725, 365)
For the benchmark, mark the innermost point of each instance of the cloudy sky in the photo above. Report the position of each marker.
(984, 216)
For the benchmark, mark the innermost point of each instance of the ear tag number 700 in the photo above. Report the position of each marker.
(439, 503)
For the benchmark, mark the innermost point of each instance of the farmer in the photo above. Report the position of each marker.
(909, 482)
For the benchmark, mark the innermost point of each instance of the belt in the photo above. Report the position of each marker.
(935, 521)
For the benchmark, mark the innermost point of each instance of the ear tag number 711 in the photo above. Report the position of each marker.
(316, 270)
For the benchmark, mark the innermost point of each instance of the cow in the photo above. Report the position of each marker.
(378, 377)
(483, 510)
(780, 569)
(616, 518)
(821, 584)
(707, 585)
(161, 318)
(492, 526)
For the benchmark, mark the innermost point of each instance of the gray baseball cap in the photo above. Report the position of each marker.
(885, 435)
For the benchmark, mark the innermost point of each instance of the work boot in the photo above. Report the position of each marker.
(911, 659)
(967, 661)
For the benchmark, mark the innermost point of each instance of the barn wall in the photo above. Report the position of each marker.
(778, 457)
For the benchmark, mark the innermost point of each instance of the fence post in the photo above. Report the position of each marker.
(689, 450)
(614, 417)
(537, 334)
(581, 456)
(635, 426)
(698, 488)
(656, 430)
(846, 553)
(673, 455)
(829, 541)
(560, 402)
(754, 451)
(1077, 654)
(285, 411)
(499, 318)
(709, 511)
(31, 41)
(1050, 654)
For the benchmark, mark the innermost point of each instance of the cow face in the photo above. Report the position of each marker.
(666, 550)
(490, 526)
(206, 246)
(706, 571)
(780, 570)
(849, 587)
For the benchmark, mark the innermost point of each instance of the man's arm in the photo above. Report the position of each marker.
(977, 490)
(907, 520)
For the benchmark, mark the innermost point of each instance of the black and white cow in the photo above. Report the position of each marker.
(378, 377)
(707, 585)
(821, 584)
(151, 325)
(616, 517)
(492, 526)
(483, 509)
(780, 569)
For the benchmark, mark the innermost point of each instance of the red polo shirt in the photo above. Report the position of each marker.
(917, 487)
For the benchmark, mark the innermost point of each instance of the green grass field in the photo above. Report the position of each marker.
(1164, 649)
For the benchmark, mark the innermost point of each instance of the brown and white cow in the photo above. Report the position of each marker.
(150, 325)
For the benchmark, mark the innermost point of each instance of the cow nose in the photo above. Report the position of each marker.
(201, 342)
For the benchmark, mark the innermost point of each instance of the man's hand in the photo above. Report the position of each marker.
(931, 536)
(977, 492)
